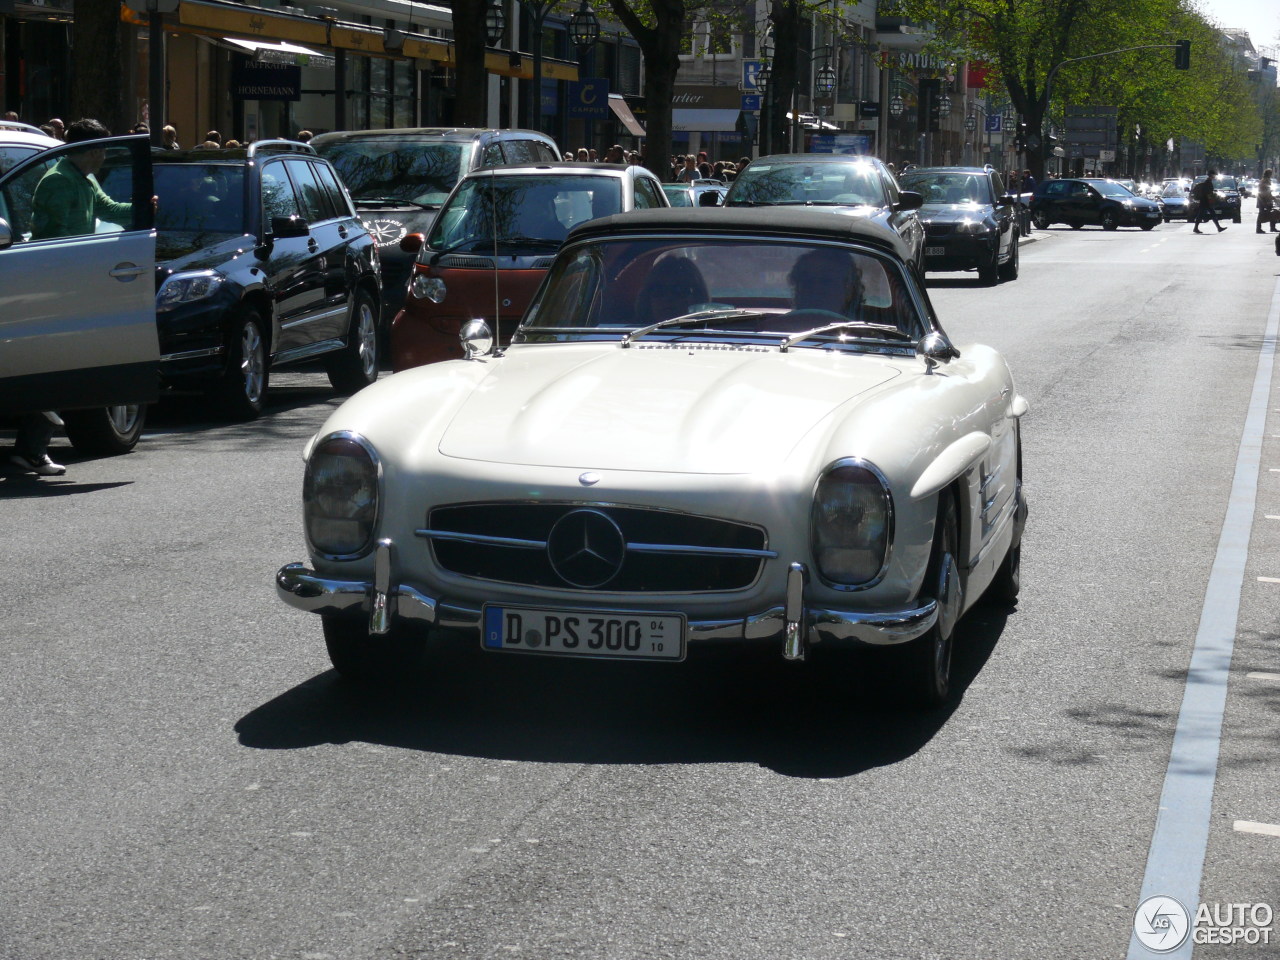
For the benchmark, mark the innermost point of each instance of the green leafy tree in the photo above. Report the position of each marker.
(1029, 44)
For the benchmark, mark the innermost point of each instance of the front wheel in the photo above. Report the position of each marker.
(1148, 226)
(105, 431)
(242, 392)
(1009, 271)
(1110, 220)
(1040, 219)
(926, 662)
(362, 658)
(989, 273)
(355, 366)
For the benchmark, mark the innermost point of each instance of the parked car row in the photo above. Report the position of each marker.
(263, 258)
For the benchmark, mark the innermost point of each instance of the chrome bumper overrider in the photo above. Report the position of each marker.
(796, 625)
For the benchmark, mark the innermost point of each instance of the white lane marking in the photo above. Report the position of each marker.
(1272, 677)
(1273, 516)
(1175, 859)
(1269, 579)
(1266, 829)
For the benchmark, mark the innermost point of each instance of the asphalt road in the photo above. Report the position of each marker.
(184, 777)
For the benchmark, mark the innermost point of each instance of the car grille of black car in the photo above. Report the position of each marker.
(938, 229)
(641, 569)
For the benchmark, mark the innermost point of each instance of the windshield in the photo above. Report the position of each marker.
(199, 198)
(949, 187)
(791, 287)
(530, 212)
(411, 170)
(846, 184)
(1174, 190)
(11, 155)
(1225, 183)
(1109, 188)
(678, 195)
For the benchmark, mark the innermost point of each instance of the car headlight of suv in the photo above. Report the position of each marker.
(428, 288)
(186, 288)
(973, 226)
(340, 496)
(852, 524)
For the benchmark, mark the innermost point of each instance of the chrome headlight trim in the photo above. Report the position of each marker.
(889, 521)
(376, 462)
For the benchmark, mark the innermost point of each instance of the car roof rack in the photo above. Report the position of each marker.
(280, 146)
(19, 125)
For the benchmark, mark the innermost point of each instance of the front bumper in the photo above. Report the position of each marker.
(793, 624)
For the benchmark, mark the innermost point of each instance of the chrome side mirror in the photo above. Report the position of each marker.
(935, 348)
(6, 235)
(476, 339)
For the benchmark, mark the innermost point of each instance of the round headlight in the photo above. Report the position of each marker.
(340, 497)
(852, 524)
(428, 288)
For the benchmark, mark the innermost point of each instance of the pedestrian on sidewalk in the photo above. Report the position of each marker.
(1203, 194)
(1266, 203)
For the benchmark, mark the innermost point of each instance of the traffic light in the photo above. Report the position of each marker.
(1182, 55)
(1020, 139)
(929, 96)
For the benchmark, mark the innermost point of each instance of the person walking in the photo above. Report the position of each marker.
(1202, 193)
(1266, 203)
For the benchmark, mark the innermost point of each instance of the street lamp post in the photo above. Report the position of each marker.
(582, 24)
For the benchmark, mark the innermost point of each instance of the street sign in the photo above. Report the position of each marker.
(1106, 156)
(749, 70)
(588, 99)
(993, 122)
(750, 102)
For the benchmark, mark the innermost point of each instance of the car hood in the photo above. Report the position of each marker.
(192, 250)
(678, 408)
(953, 212)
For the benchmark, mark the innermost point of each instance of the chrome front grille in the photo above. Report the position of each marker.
(627, 549)
(938, 229)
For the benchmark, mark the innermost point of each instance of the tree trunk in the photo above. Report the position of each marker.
(660, 46)
(785, 16)
(471, 96)
(97, 50)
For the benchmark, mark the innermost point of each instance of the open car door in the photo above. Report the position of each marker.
(77, 286)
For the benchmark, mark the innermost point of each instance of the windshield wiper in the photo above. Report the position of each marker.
(531, 241)
(887, 329)
(397, 202)
(818, 203)
(701, 316)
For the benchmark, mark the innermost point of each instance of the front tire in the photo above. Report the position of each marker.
(1110, 220)
(1009, 270)
(361, 658)
(242, 392)
(105, 431)
(926, 662)
(355, 366)
(1040, 219)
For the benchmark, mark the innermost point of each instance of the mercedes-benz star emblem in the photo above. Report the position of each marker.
(586, 548)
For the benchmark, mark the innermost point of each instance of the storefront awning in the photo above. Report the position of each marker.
(705, 121)
(624, 114)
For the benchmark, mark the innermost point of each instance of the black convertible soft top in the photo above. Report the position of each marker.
(796, 223)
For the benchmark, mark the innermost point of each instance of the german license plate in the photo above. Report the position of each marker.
(935, 251)
(584, 633)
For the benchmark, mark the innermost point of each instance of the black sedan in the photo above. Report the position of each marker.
(1106, 203)
(970, 222)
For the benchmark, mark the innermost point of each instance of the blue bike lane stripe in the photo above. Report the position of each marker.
(1175, 861)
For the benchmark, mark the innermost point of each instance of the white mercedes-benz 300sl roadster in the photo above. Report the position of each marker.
(743, 428)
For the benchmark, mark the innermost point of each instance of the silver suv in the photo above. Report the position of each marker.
(77, 311)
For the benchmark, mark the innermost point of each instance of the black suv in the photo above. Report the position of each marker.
(970, 221)
(1079, 201)
(1226, 196)
(399, 178)
(261, 260)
